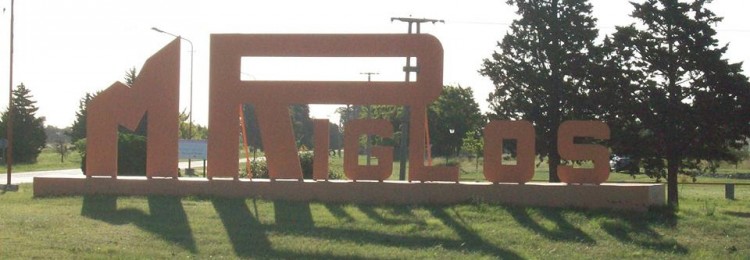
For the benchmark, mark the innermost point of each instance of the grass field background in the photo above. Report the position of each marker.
(705, 226)
(48, 160)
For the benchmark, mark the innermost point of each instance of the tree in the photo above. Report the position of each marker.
(336, 137)
(28, 130)
(345, 115)
(302, 125)
(541, 71)
(58, 139)
(686, 103)
(130, 76)
(61, 147)
(199, 132)
(393, 114)
(474, 145)
(455, 110)
(78, 129)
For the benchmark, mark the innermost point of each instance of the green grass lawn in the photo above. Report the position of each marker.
(706, 226)
(48, 160)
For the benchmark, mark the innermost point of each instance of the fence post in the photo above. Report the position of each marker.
(729, 191)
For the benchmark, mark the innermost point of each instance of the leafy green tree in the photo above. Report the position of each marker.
(302, 125)
(345, 114)
(456, 111)
(541, 70)
(393, 114)
(28, 130)
(687, 105)
(335, 136)
(474, 145)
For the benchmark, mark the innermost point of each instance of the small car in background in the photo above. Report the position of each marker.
(619, 163)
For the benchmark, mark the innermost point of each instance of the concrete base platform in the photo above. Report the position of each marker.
(612, 196)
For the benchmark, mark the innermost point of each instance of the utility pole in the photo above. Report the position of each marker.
(367, 141)
(9, 153)
(408, 69)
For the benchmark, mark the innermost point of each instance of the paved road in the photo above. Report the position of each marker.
(28, 177)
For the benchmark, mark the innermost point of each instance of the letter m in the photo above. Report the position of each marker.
(154, 94)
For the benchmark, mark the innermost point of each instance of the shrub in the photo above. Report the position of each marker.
(260, 168)
(131, 154)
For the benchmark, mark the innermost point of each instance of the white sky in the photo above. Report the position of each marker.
(64, 49)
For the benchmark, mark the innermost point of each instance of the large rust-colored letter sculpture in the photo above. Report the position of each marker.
(494, 135)
(570, 151)
(272, 98)
(352, 169)
(155, 94)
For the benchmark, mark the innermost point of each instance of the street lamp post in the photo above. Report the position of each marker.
(450, 151)
(190, 113)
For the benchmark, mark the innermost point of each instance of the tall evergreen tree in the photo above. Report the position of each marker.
(78, 129)
(28, 130)
(541, 70)
(685, 102)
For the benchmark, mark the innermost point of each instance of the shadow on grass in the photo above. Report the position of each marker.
(293, 213)
(469, 238)
(637, 229)
(407, 217)
(249, 237)
(738, 214)
(563, 230)
(640, 234)
(167, 217)
(337, 210)
(366, 237)
(246, 233)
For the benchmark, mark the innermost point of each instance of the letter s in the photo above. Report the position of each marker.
(570, 151)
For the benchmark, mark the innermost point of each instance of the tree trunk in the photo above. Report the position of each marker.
(476, 167)
(554, 161)
(672, 168)
(555, 106)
